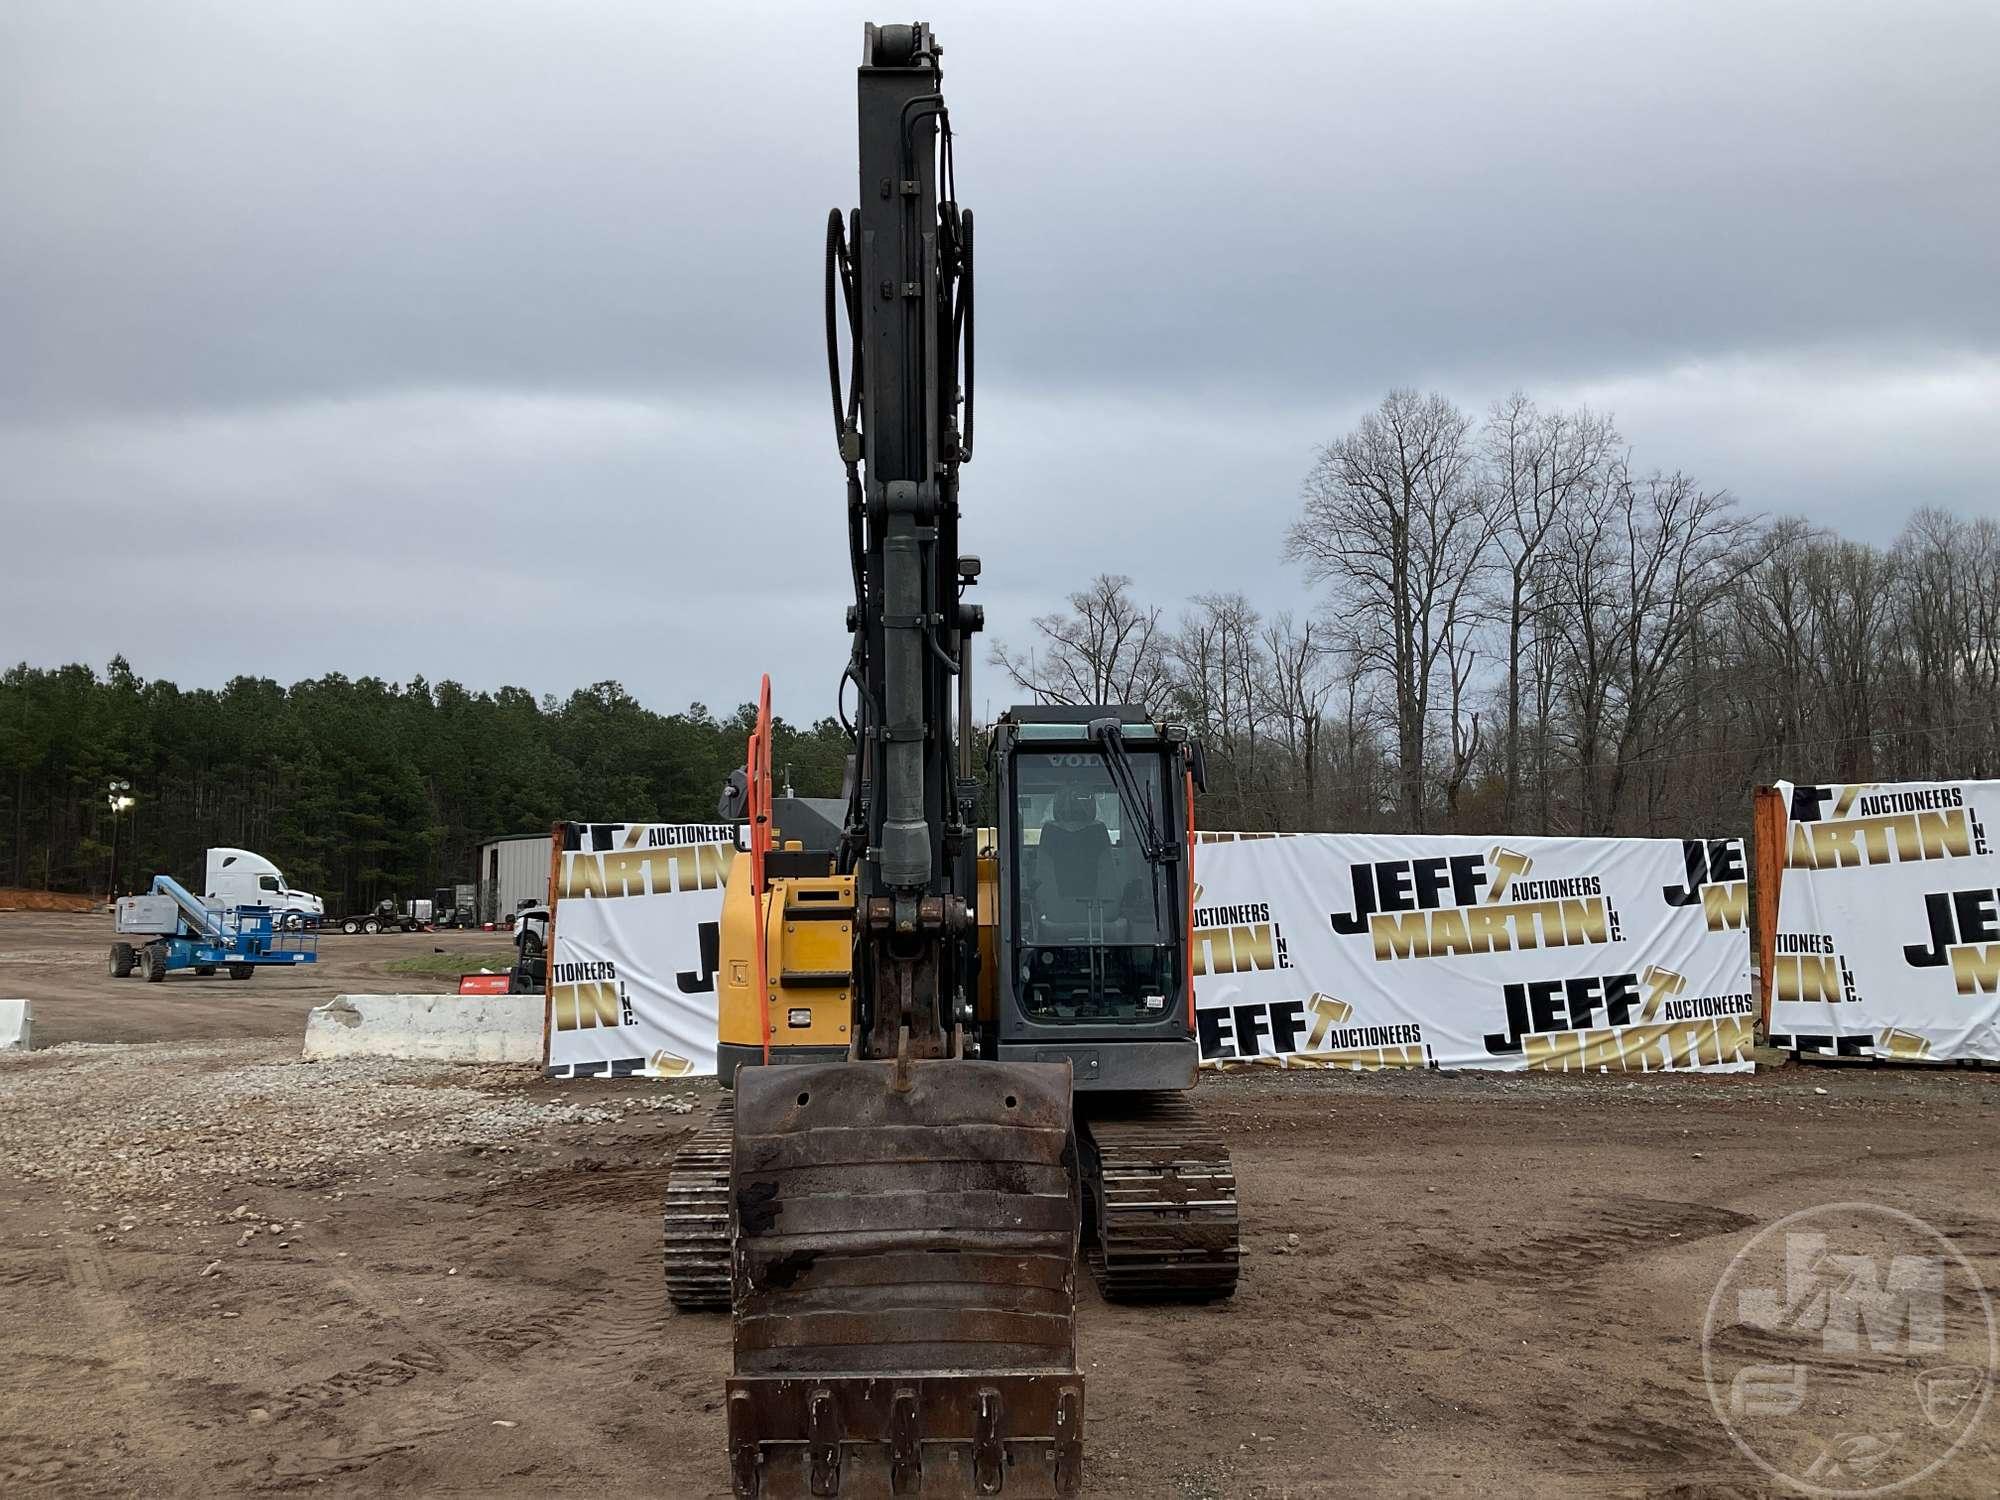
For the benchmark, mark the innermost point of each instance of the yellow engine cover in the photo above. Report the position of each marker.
(809, 957)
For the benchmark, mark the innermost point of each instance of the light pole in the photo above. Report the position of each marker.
(119, 796)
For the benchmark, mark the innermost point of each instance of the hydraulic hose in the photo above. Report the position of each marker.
(965, 308)
(836, 255)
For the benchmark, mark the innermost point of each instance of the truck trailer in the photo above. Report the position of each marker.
(385, 917)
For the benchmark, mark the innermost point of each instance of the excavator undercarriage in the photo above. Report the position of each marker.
(1157, 1195)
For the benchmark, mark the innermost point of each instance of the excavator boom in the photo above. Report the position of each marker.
(905, 1222)
(947, 1060)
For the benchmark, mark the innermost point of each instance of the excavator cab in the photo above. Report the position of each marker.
(1091, 945)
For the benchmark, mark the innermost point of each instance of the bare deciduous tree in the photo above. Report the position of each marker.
(1302, 684)
(1681, 548)
(1221, 670)
(1397, 520)
(1541, 464)
(1520, 633)
(1107, 649)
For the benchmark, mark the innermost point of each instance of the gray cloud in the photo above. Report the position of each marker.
(518, 306)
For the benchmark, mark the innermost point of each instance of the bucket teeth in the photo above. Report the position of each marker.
(906, 1449)
(941, 1437)
(988, 1453)
(823, 1440)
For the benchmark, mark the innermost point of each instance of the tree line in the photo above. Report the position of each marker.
(1521, 630)
(358, 789)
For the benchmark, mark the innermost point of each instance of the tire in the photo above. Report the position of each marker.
(153, 963)
(371, 926)
(531, 946)
(204, 970)
(295, 922)
(242, 971)
(123, 959)
(350, 927)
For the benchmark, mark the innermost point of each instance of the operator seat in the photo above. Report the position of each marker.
(1071, 860)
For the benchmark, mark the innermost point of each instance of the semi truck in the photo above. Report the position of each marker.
(238, 877)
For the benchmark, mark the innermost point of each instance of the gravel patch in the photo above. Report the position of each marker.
(112, 1120)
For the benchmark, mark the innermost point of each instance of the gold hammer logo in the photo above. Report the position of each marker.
(1508, 866)
(1661, 986)
(1901, 1043)
(1327, 1013)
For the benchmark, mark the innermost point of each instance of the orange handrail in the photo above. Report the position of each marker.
(1189, 779)
(757, 776)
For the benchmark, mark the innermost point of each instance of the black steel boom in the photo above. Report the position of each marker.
(902, 266)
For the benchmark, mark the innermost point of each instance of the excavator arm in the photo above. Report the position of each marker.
(904, 1224)
(903, 269)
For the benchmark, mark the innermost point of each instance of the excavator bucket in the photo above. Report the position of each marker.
(904, 1281)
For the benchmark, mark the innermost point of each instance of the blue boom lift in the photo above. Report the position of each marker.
(176, 930)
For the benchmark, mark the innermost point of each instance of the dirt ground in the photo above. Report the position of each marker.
(223, 1271)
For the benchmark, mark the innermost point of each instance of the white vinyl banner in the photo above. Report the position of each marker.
(1888, 934)
(637, 937)
(1364, 951)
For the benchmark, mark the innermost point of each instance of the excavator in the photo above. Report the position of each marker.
(954, 1054)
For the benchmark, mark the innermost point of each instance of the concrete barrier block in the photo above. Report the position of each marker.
(17, 1024)
(428, 1028)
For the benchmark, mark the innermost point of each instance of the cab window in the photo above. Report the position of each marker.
(1092, 916)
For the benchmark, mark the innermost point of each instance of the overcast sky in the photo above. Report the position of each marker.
(482, 340)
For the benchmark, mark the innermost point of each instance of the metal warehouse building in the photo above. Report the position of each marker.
(512, 870)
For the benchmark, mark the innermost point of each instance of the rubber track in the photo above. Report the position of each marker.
(1163, 1201)
(697, 1215)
